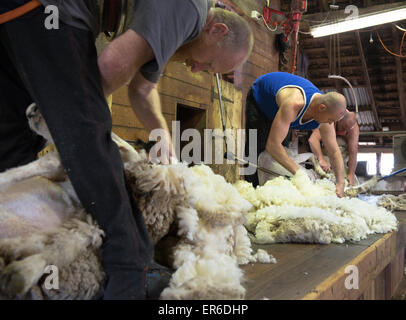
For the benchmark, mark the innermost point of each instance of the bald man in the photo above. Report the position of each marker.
(280, 101)
(347, 128)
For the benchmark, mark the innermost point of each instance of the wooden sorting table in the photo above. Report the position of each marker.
(315, 271)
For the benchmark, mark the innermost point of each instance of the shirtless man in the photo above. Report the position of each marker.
(347, 128)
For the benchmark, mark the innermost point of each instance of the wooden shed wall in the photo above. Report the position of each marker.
(198, 90)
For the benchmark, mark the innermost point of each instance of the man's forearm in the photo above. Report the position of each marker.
(148, 110)
(338, 167)
(352, 162)
(278, 152)
(315, 146)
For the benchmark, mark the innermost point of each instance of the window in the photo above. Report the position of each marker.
(370, 158)
(387, 163)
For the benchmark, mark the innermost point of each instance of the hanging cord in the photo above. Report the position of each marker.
(335, 54)
(339, 53)
(389, 51)
(402, 42)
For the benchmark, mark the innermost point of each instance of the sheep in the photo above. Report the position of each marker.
(210, 215)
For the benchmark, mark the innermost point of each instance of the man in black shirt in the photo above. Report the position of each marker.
(59, 70)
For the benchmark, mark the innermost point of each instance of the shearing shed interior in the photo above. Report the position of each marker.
(203, 150)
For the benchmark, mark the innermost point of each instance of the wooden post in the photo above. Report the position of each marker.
(368, 81)
(378, 162)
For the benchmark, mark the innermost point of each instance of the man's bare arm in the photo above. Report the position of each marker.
(278, 132)
(120, 60)
(119, 64)
(328, 136)
(146, 104)
(315, 146)
(352, 141)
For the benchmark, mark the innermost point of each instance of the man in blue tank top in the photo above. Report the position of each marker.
(278, 102)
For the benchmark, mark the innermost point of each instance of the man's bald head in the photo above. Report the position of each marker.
(331, 107)
(224, 44)
(335, 102)
(348, 121)
(240, 36)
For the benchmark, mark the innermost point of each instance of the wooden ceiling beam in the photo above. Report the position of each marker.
(367, 81)
(304, 24)
(246, 7)
(399, 79)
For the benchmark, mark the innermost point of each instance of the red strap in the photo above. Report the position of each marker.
(18, 12)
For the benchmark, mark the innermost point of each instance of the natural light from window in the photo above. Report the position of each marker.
(370, 158)
(387, 162)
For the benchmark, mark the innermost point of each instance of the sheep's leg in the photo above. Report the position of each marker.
(48, 166)
(128, 153)
(59, 247)
(18, 277)
(18, 248)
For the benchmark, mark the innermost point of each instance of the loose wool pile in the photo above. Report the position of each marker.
(299, 210)
(392, 202)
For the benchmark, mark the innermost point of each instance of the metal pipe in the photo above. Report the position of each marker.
(334, 76)
(381, 133)
(223, 122)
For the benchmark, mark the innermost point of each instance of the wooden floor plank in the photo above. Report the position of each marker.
(302, 267)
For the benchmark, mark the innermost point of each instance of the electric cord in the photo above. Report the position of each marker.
(389, 51)
(273, 30)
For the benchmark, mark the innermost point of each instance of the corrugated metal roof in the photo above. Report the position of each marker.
(365, 120)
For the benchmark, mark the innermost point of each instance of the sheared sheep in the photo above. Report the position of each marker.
(209, 211)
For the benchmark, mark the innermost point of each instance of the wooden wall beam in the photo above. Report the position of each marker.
(368, 81)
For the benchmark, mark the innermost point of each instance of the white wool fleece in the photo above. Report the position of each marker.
(302, 211)
(215, 242)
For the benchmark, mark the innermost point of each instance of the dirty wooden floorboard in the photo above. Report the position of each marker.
(301, 267)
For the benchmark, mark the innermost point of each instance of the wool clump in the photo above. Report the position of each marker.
(299, 210)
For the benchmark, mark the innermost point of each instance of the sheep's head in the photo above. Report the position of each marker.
(37, 122)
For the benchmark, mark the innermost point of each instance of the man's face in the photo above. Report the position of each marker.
(210, 54)
(347, 123)
(214, 59)
(324, 116)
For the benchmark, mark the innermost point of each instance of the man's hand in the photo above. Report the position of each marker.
(340, 190)
(162, 152)
(350, 179)
(325, 165)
